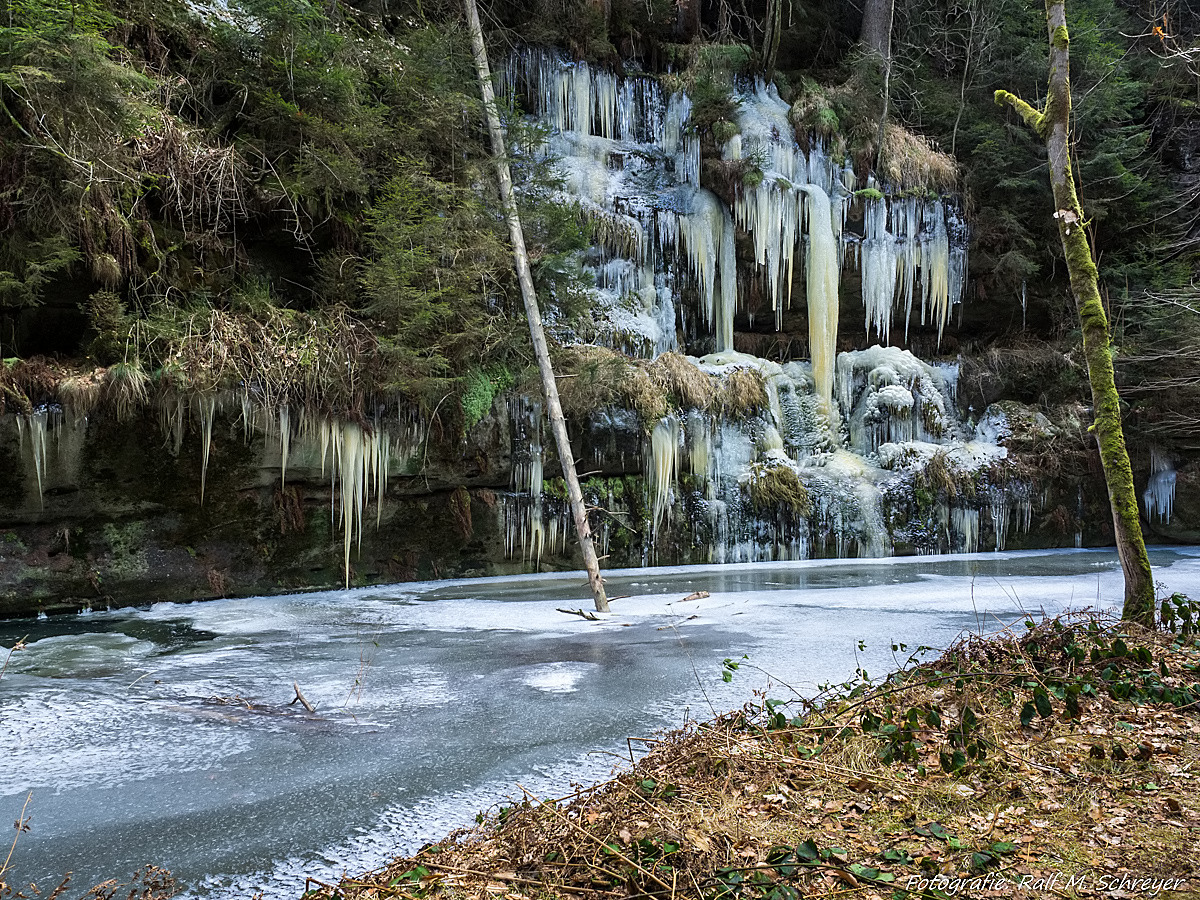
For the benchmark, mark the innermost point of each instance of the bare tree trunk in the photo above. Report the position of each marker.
(521, 258)
(1052, 125)
(876, 33)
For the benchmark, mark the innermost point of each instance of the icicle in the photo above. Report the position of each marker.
(907, 228)
(207, 408)
(1159, 496)
(383, 460)
(822, 286)
(36, 422)
(998, 507)
(172, 422)
(700, 451)
(879, 262)
(935, 269)
(348, 461)
(285, 443)
(247, 416)
(726, 298)
(965, 523)
(707, 235)
(661, 469)
(326, 437)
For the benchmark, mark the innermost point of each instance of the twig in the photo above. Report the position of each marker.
(21, 826)
(582, 613)
(303, 700)
(514, 879)
(19, 645)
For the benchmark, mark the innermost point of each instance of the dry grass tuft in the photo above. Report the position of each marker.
(777, 487)
(910, 161)
(687, 385)
(126, 390)
(847, 794)
(590, 378)
(328, 361)
(82, 394)
(945, 479)
(745, 393)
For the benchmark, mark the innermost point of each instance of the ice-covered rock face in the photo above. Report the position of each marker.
(665, 256)
(901, 469)
(890, 397)
(853, 429)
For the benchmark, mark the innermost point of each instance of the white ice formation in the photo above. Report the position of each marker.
(665, 246)
(357, 459)
(852, 427)
(1159, 496)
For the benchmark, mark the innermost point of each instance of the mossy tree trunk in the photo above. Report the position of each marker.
(521, 259)
(1052, 124)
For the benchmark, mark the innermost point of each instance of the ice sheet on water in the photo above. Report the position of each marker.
(557, 677)
(66, 739)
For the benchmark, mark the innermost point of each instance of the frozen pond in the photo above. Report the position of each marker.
(164, 735)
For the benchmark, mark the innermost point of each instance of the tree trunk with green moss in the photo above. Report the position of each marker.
(521, 259)
(1052, 124)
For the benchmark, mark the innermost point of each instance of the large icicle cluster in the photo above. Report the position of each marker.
(838, 433)
(355, 458)
(897, 429)
(622, 146)
(1159, 496)
(921, 257)
(628, 157)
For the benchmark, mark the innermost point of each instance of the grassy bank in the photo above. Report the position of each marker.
(1059, 759)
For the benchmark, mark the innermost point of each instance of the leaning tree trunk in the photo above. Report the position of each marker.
(554, 409)
(1052, 125)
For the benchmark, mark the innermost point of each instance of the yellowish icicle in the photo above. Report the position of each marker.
(664, 451)
(822, 285)
(37, 423)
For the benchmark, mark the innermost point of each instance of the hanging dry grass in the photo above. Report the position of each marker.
(126, 390)
(910, 161)
(204, 186)
(82, 394)
(29, 383)
(683, 380)
(324, 361)
(777, 487)
(591, 378)
(744, 394)
(866, 792)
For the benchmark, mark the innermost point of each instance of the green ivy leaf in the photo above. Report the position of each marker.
(807, 851)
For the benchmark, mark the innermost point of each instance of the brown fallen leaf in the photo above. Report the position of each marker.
(846, 877)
